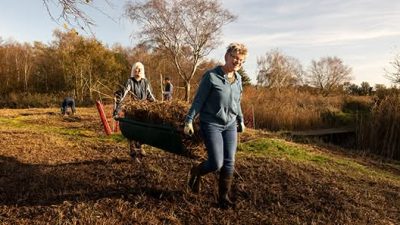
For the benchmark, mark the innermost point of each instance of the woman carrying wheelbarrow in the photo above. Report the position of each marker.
(217, 102)
(140, 90)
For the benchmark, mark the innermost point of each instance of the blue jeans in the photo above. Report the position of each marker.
(221, 144)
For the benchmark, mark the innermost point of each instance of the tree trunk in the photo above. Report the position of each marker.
(76, 90)
(90, 83)
(27, 69)
(161, 87)
(187, 91)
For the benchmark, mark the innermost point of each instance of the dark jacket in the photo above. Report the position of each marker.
(68, 102)
(139, 89)
(169, 88)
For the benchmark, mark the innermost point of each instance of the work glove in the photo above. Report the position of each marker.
(188, 130)
(241, 128)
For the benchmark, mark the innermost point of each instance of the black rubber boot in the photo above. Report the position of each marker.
(225, 183)
(195, 177)
(136, 150)
(132, 149)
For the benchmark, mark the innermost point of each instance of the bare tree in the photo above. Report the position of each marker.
(72, 13)
(394, 75)
(187, 30)
(328, 74)
(276, 70)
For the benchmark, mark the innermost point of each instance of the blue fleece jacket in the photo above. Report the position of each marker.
(217, 101)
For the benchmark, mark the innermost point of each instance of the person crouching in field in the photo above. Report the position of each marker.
(139, 88)
(68, 102)
(217, 101)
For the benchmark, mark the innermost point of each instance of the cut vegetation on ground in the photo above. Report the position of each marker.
(64, 170)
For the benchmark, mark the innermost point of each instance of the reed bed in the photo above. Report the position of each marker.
(288, 109)
(379, 131)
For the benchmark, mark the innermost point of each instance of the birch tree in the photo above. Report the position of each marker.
(276, 70)
(328, 73)
(187, 30)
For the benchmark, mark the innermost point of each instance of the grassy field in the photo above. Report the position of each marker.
(64, 170)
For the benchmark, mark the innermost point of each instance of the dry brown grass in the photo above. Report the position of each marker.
(379, 131)
(288, 109)
(60, 170)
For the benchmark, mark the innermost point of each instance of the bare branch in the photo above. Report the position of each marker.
(328, 73)
(276, 70)
(394, 74)
(187, 30)
(72, 14)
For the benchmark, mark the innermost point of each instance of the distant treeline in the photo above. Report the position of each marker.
(41, 75)
(78, 66)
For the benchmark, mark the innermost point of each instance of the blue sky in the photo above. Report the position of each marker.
(365, 34)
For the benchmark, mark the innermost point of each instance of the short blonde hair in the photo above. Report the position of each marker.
(237, 48)
(140, 66)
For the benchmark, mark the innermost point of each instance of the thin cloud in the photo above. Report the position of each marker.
(366, 30)
(339, 37)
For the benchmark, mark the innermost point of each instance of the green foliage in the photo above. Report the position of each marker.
(74, 133)
(280, 149)
(338, 118)
(362, 90)
(354, 105)
(11, 122)
(245, 78)
(118, 138)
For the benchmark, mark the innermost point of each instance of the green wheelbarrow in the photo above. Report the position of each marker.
(161, 136)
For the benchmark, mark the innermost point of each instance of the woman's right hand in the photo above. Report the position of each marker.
(241, 127)
(188, 130)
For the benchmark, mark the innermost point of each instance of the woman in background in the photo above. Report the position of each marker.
(140, 90)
